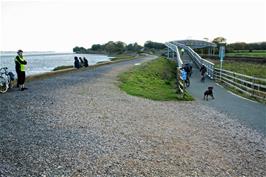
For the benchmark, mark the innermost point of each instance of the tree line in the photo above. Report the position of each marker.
(240, 45)
(119, 47)
(246, 46)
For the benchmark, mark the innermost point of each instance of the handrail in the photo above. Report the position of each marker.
(175, 49)
(242, 75)
(242, 80)
(246, 84)
(197, 59)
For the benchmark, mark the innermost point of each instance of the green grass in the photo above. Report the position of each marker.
(154, 80)
(246, 53)
(250, 69)
(247, 68)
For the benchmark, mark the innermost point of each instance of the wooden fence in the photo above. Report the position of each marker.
(252, 86)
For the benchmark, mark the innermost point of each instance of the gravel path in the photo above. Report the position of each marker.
(81, 124)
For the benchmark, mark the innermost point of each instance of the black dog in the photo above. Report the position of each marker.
(208, 92)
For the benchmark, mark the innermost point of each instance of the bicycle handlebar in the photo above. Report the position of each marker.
(4, 68)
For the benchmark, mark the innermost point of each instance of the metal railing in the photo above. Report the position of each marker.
(197, 59)
(249, 85)
(180, 87)
(174, 48)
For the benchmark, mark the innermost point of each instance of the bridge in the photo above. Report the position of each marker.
(248, 112)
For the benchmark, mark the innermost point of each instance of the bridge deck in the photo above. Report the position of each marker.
(250, 113)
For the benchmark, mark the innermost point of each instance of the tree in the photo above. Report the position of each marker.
(96, 47)
(79, 50)
(120, 47)
(115, 47)
(133, 47)
(218, 40)
(109, 47)
(154, 45)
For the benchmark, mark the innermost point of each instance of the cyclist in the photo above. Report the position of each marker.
(203, 70)
(20, 63)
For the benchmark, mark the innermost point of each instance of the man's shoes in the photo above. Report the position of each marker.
(22, 89)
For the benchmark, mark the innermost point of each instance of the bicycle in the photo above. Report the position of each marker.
(5, 79)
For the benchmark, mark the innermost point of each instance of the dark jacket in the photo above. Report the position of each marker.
(203, 69)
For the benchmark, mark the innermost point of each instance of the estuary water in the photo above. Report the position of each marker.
(45, 62)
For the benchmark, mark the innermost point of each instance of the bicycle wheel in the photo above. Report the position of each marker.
(3, 85)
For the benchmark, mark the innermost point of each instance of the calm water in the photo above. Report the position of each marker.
(39, 63)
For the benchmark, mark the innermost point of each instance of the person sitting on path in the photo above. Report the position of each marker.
(81, 62)
(76, 62)
(86, 64)
(20, 63)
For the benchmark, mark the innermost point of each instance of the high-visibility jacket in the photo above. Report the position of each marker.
(20, 63)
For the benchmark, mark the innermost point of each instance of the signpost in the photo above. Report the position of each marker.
(221, 55)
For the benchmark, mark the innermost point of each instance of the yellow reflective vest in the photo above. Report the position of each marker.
(22, 66)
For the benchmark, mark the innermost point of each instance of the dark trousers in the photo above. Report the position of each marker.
(21, 77)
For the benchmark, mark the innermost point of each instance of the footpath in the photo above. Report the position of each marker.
(248, 112)
(81, 124)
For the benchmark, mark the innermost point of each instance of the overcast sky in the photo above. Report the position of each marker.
(60, 25)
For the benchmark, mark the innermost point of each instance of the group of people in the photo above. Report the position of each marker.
(79, 62)
(20, 63)
(186, 72)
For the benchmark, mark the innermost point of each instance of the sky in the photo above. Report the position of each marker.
(60, 25)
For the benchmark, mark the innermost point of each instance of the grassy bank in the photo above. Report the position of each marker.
(246, 53)
(251, 69)
(154, 80)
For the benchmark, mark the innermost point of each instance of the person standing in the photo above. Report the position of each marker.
(20, 63)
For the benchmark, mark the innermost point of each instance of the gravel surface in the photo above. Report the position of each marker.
(82, 124)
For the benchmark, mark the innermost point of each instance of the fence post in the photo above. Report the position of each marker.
(253, 86)
(179, 85)
(213, 66)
